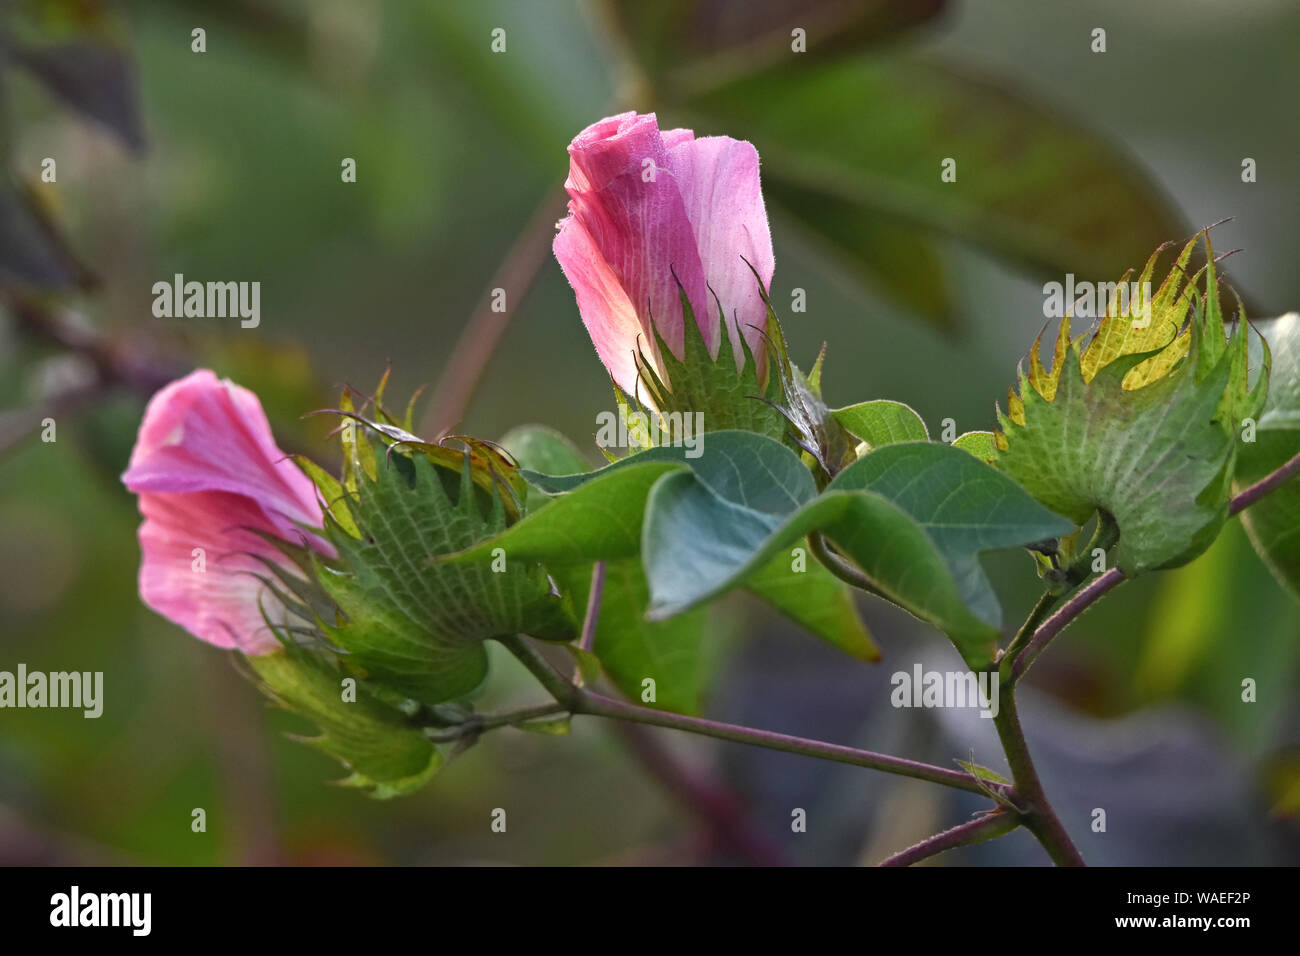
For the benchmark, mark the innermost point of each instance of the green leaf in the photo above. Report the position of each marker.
(599, 520)
(1273, 522)
(983, 773)
(547, 726)
(385, 754)
(883, 422)
(912, 516)
(980, 444)
(1138, 424)
(588, 664)
(599, 515)
(1031, 186)
(409, 621)
(631, 648)
(816, 599)
(542, 449)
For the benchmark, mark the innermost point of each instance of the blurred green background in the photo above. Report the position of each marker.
(929, 293)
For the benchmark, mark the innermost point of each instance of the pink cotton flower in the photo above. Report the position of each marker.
(645, 206)
(207, 469)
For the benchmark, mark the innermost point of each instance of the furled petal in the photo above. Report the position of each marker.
(606, 311)
(202, 434)
(651, 209)
(623, 191)
(211, 481)
(718, 180)
(198, 568)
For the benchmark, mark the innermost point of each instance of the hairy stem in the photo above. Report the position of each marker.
(982, 828)
(578, 700)
(1046, 602)
(1265, 485)
(1032, 806)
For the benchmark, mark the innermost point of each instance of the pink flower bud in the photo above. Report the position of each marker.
(648, 210)
(209, 476)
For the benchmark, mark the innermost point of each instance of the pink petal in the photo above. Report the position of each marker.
(209, 476)
(221, 604)
(640, 228)
(203, 434)
(612, 323)
(718, 180)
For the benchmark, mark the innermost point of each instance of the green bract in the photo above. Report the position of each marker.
(1140, 422)
(387, 755)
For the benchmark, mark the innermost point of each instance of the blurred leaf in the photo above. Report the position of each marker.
(690, 43)
(1192, 609)
(387, 756)
(898, 260)
(1273, 522)
(1283, 785)
(864, 138)
(32, 253)
(95, 79)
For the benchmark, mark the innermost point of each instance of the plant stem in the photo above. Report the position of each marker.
(1028, 803)
(1057, 622)
(1265, 485)
(592, 617)
(982, 828)
(1032, 806)
(1081, 601)
(480, 722)
(1046, 602)
(578, 700)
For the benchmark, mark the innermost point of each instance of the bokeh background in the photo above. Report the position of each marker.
(226, 165)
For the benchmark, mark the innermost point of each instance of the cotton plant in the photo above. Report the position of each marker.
(364, 601)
